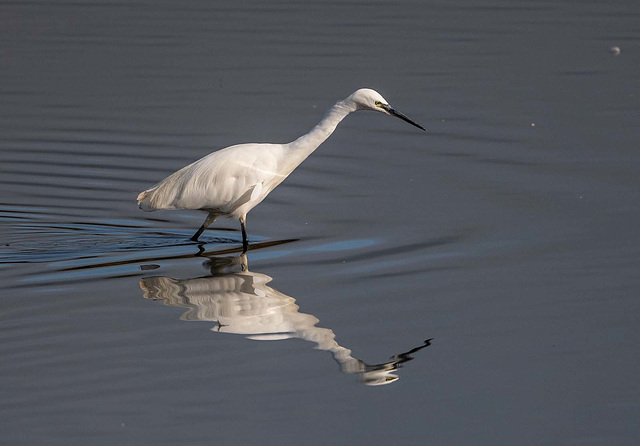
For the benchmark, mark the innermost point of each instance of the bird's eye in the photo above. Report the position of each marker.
(378, 104)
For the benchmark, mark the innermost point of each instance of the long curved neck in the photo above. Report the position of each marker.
(306, 144)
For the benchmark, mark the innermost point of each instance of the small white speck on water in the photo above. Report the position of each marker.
(533, 124)
(615, 50)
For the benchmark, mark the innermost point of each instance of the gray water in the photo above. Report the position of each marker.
(507, 235)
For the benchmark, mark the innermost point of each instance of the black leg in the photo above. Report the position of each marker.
(207, 221)
(198, 232)
(245, 240)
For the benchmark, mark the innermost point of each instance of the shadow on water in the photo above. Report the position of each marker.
(97, 251)
(241, 302)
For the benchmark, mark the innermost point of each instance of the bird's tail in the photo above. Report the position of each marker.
(146, 201)
(164, 194)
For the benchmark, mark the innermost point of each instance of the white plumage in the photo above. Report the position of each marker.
(232, 181)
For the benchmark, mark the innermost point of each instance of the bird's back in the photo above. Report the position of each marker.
(221, 182)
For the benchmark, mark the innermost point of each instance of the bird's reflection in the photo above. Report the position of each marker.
(241, 302)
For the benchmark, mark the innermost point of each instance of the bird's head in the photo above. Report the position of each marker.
(368, 99)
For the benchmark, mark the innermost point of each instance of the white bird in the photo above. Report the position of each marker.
(232, 181)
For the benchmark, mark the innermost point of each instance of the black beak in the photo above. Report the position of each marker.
(397, 114)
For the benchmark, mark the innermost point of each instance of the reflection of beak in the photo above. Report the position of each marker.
(378, 378)
(397, 114)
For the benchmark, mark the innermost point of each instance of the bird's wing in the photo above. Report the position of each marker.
(221, 181)
(253, 194)
(238, 176)
(256, 192)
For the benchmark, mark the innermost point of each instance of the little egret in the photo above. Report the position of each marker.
(232, 181)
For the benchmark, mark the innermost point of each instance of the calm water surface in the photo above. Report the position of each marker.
(508, 234)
